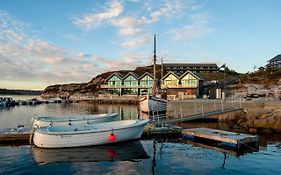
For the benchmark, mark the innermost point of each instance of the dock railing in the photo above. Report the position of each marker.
(203, 107)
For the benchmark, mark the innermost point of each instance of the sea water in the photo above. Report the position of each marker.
(149, 156)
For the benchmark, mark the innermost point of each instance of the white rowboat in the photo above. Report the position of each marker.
(87, 135)
(72, 120)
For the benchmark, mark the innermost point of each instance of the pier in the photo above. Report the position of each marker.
(224, 138)
(189, 110)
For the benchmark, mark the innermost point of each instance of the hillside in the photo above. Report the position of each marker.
(265, 77)
(91, 88)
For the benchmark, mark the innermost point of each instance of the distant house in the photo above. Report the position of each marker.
(170, 80)
(274, 62)
(180, 68)
(179, 82)
(146, 83)
(131, 83)
(114, 83)
(187, 85)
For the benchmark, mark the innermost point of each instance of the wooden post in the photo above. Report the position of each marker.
(202, 108)
(221, 105)
(181, 111)
(195, 108)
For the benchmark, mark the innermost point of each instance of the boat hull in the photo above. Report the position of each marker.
(153, 104)
(74, 120)
(88, 135)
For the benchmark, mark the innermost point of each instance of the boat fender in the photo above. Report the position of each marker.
(112, 137)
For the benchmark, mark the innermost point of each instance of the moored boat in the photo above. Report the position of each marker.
(72, 120)
(150, 104)
(153, 104)
(87, 135)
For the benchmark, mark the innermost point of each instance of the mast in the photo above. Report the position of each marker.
(154, 68)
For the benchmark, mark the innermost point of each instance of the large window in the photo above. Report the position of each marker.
(171, 80)
(189, 81)
(146, 81)
(114, 81)
(131, 81)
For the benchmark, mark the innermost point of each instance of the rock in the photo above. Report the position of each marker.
(253, 130)
(260, 123)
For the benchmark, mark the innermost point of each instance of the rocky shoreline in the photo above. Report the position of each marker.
(256, 120)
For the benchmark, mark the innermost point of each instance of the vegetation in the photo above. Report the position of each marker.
(267, 77)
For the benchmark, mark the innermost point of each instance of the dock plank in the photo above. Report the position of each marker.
(219, 135)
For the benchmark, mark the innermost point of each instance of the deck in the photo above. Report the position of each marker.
(226, 138)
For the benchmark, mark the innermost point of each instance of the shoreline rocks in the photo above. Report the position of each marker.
(262, 120)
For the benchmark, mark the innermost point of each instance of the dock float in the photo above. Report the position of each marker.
(225, 139)
(152, 130)
(15, 138)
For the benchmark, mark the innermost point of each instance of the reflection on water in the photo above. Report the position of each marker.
(165, 156)
(12, 117)
(132, 150)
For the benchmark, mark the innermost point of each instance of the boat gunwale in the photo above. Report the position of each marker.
(137, 123)
(62, 119)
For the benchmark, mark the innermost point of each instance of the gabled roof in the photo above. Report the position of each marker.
(193, 74)
(131, 73)
(146, 73)
(276, 58)
(117, 74)
(170, 72)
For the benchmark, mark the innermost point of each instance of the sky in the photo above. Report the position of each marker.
(48, 42)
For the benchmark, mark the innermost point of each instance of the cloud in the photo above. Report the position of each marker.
(90, 20)
(126, 61)
(128, 25)
(134, 42)
(28, 58)
(197, 28)
(72, 37)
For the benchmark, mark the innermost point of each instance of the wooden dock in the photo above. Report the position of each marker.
(224, 138)
(162, 131)
(10, 136)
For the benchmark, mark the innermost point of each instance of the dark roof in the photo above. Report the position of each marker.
(192, 73)
(146, 73)
(191, 64)
(276, 58)
(118, 74)
(170, 72)
(133, 74)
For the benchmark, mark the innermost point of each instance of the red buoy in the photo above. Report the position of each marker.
(112, 137)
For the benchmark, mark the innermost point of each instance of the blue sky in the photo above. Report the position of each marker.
(50, 42)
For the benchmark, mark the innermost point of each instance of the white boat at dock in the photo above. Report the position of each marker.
(43, 121)
(87, 135)
(152, 104)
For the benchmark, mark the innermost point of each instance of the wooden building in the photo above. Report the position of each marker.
(274, 62)
(180, 68)
(187, 85)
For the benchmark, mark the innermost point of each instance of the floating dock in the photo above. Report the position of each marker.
(226, 139)
(162, 131)
(13, 136)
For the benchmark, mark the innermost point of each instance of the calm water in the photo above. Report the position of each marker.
(152, 156)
